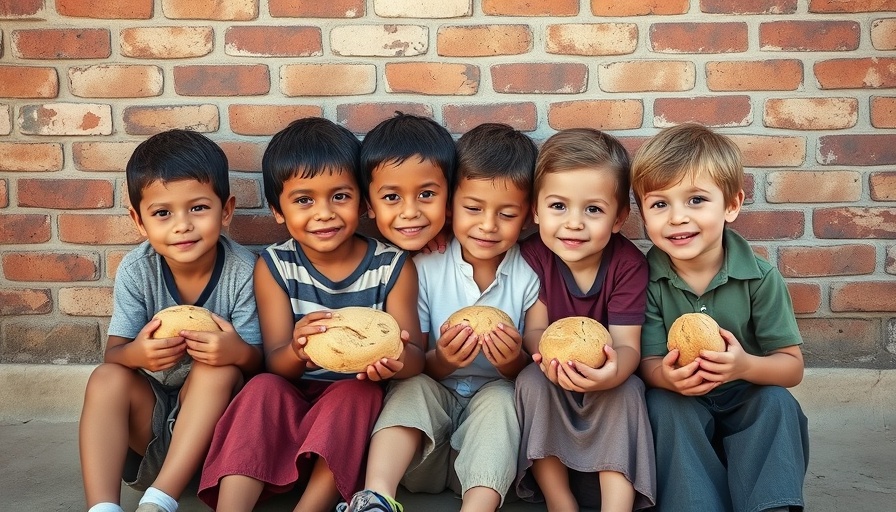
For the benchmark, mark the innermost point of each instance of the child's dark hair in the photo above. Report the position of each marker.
(403, 136)
(495, 150)
(176, 155)
(307, 148)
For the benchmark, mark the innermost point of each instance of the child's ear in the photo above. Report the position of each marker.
(534, 215)
(370, 212)
(621, 217)
(135, 216)
(227, 211)
(733, 209)
(277, 215)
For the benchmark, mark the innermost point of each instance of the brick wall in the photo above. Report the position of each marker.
(807, 89)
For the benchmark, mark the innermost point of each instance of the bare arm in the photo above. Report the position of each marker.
(276, 320)
(402, 305)
(536, 323)
(782, 367)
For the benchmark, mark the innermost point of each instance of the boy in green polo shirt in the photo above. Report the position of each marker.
(728, 434)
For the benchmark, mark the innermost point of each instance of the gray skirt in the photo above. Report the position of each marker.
(588, 432)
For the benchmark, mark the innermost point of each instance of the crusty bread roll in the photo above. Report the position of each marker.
(483, 319)
(179, 318)
(692, 332)
(576, 338)
(355, 338)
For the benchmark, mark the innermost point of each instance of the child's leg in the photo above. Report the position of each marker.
(616, 493)
(321, 493)
(117, 413)
(238, 493)
(553, 480)
(391, 451)
(204, 397)
(480, 499)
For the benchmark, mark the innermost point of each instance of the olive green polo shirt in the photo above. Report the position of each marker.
(747, 297)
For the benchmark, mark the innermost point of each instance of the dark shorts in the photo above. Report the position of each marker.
(141, 472)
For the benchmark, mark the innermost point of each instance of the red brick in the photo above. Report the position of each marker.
(883, 185)
(4, 193)
(748, 6)
(599, 114)
(166, 42)
(462, 118)
(44, 267)
(151, 120)
(115, 9)
(51, 342)
(647, 75)
(63, 43)
(362, 117)
(28, 82)
(86, 301)
(760, 250)
(267, 119)
(707, 110)
(814, 36)
(102, 156)
(102, 229)
(222, 80)
(115, 81)
(20, 8)
(25, 301)
(856, 73)
(113, 260)
(317, 9)
(257, 230)
(859, 149)
(530, 8)
(243, 156)
(270, 41)
(837, 260)
(232, 10)
(850, 6)
(811, 113)
(698, 37)
(883, 112)
(883, 34)
(483, 40)
(591, 39)
(247, 192)
(845, 222)
(753, 75)
(838, 341)
(65, 194)
(770, 225)
(813, 187)
(806, 297)
(432, 78)
(771, 151)
(28, 156)
(864, 296)
(327, 79)
(638, 7)
(749, 188)
(27, 228)
(66, 119)
(528, 78)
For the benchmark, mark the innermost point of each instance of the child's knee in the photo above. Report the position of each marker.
(224, 377)
(109, 378)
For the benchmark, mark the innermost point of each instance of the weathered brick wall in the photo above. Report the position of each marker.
(807, 88)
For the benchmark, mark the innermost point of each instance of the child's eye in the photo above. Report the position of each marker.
(303, 200)
(341, 197)
(427, 194)
(593, 210)
(390, 198)
(697, 200)
(161, 213)
(509, 215)
(658, 204)
(199, 208)
(472, 209)
(557, 206)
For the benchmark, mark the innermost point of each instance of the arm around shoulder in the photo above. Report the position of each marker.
(402, 305)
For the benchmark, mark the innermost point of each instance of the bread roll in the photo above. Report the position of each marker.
(179, 318)
(576, 338)
(483, 319)
(355, 338)
(692, 332)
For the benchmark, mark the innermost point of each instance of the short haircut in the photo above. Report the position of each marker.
(403, 136)
(176, 155)
(494, 150)
(307, 148)
(687, 150)
(585, 148)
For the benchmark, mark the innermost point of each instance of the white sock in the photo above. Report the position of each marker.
(153, 495)
(105, 507)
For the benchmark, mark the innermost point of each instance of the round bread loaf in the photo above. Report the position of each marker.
(692, 332)
(355, 338)
(179, 318)
(483, 319)
(575, 338)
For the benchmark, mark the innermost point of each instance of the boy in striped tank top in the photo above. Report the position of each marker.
(299, 423)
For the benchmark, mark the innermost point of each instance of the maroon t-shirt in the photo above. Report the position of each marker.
(618, 295)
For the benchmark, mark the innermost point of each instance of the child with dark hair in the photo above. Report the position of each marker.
(463, 405)
(301, 424)
(151, 407)
(408, 166)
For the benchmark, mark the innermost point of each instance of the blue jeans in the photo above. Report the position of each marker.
(744, 448)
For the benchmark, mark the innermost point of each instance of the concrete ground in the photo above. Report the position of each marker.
(851, 423)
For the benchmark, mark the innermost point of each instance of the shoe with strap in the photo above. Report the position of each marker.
(370, 501)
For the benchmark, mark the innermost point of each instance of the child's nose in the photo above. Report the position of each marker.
(410, 210)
